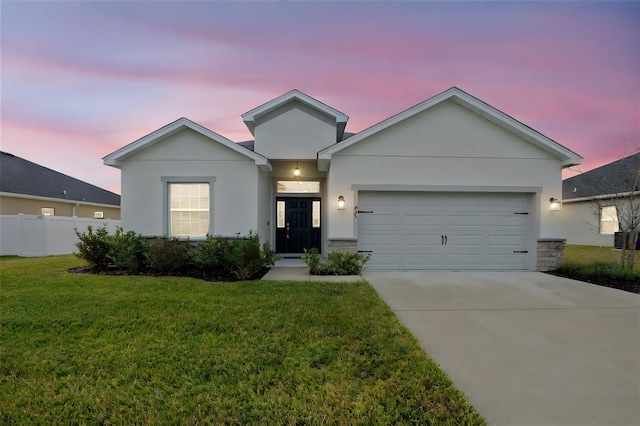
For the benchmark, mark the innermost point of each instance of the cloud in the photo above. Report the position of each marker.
(94, 76)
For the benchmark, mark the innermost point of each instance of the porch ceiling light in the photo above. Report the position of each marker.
(296, 171)
(556, 205)
(341, 203)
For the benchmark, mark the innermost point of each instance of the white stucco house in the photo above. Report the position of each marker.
(451, 183)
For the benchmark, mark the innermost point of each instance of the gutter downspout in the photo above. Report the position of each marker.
(73, 210)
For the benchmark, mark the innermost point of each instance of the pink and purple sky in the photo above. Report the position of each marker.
(81, 79)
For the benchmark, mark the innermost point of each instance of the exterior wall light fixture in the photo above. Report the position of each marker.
(341, 203)
(296, 171)
(556, 205)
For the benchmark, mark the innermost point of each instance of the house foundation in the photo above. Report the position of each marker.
(349, 245)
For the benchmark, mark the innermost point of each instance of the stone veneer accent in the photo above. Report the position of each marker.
(550, 253)
(349, 245)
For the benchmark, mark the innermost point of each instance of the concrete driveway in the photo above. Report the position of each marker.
(526, 348)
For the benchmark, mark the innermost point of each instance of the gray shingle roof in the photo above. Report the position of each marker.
(613, 178)
(20, 176)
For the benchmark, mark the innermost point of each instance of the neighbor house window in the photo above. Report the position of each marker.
(608, 220)
(188, 209)
(48, 211)
(98, 215)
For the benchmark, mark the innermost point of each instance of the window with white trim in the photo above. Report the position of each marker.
(98, 215)
(609, 220)
(48, 211)
(189, 205)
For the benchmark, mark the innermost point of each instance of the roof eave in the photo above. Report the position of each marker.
(251, 116)
(601, 197)
(115, 158)
(568, 157)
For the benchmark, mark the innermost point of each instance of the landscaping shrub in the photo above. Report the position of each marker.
(241, 258)
(212, 254)
(94, 247)
(247, 258)
(170, 256)
(214, 258)
(604, 269)
(129, 251)
(609, 274)
(336, 263)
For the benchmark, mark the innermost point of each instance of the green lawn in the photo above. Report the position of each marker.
(587, 254)
(167, 350)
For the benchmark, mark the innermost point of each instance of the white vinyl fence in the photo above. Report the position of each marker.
(33, 236)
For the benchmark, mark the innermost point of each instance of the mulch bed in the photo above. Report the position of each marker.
(632, 286)
(217, 277)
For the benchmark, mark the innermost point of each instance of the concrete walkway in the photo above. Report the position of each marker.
(527, 348)
(296, 270)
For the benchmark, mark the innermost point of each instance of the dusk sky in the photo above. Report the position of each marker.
(82, 79)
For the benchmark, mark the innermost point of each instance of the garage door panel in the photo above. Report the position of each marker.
(465, 220)
(422, 219)
(507, 261)
(384, 261)
(405, 230)
(382, 241)
(379, 219)
(455, 241)
(508, 220)
(466, 261)
(423, 236)
(507, 240)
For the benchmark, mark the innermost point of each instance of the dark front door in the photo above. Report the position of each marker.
(298, 224)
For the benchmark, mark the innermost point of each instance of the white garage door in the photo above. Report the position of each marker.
(453, 231)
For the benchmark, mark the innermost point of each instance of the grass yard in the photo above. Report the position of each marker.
(588, 254)
(167, 350)
(598, 265)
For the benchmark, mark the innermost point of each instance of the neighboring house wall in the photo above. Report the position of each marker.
(581, 224)
(294, 131)
(189, 154)
(449, 147)
(12, 205)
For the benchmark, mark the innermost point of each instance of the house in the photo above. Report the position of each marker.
(590, 201)
(451, 183)
(31, 189)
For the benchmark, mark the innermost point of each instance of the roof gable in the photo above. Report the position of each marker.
(115, 158)
(568, 157)
(250, 117)
(617, 177)
(20, 176)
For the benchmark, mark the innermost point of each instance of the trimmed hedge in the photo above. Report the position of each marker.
(608, 274)
(215, 258)
(336, 262)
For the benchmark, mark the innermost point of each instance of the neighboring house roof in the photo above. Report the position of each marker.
(341, 119)
(568, 157)
(617, 177)
(115, 158)
(20, 176)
